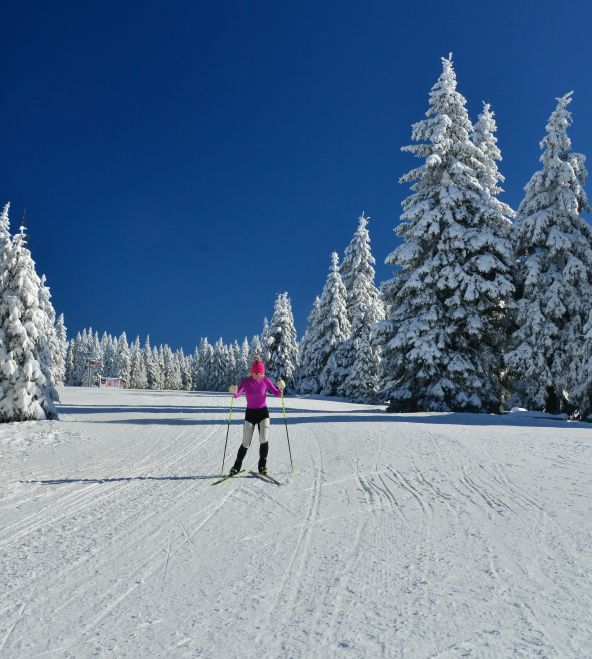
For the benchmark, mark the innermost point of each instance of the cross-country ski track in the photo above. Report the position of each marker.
(412, 535)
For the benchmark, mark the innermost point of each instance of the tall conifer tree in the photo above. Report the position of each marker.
(442, 339)
(554, 274)
(360, 360)
(27, 391)
(282, 342)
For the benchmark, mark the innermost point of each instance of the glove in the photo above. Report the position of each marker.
(281, 385)
(233, 388)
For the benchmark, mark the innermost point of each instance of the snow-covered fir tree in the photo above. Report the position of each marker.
(59, 353)
(172, 370)
(264, 338)
(442, 339)
(282, 342)
(359, 359)
(333, 329)
(90, 349)
(200, 367)
(238, 370)
(307, 375)
(207, 364)
(196, 372)
(161, 365)
(554, 275)
(71, 362)
(229, 371)
(336, 330)
(255, 348)
(108, 355)
(138, 378)
(185, 368)
(156, 367)
(122, 363)
(153, 374)
(244, 364)
(218, 368)
(49, 331)
(487, 171)
(26, 387)
(69, 365)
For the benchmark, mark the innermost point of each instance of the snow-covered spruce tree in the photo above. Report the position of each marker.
(307, 375)
(554, 274)
(59, 355)
(229, 370)
(93, 351)
(26, 390)
(219, 368)
(244, 364)
(108, 355)
(153, 375)
(255, 348)
(78, 355)
(122, 363)
(138, 378)
(333, 329)
(358, 359)
(157, 366)
(201, 369)
(69, 365)
(487, 171)
(442, 339)
(282, 342)
(49, 332)
(172, 370)
(196, 370)
(209, 368)
(237, 371)
(264, 338)
(185, 368)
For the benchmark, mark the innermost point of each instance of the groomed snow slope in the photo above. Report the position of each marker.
(399, 536)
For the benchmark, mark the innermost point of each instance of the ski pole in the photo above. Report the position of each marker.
(287, 433)
(227, 431)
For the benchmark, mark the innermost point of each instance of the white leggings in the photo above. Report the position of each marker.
(249, 428)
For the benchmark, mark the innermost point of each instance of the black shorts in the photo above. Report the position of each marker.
(255, 416)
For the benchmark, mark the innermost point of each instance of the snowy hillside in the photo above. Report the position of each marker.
(435, 535)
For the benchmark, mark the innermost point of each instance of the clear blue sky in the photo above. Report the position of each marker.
(183, 162)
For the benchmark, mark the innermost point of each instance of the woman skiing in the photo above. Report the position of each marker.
(255, 386)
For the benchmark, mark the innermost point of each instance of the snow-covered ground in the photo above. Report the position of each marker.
(428, 535)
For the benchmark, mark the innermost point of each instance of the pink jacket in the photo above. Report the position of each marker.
(256, 391)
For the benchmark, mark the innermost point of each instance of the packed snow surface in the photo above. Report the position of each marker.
(418, 535)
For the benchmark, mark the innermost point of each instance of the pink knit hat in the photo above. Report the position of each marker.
(258, 367)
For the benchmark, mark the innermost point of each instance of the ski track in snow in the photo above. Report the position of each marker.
(397, 536)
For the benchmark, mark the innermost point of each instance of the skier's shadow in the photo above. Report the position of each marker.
(120, 479)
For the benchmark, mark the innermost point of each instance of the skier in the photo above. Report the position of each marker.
(255, 386)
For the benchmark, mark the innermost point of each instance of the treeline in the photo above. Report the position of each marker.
(208, 368)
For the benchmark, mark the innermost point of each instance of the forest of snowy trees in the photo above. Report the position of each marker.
(487, 307)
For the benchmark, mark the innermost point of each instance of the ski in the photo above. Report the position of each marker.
(225, 478)
(265, 477)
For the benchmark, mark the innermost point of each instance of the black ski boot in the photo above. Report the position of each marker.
(263, 451)
(238, 463)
